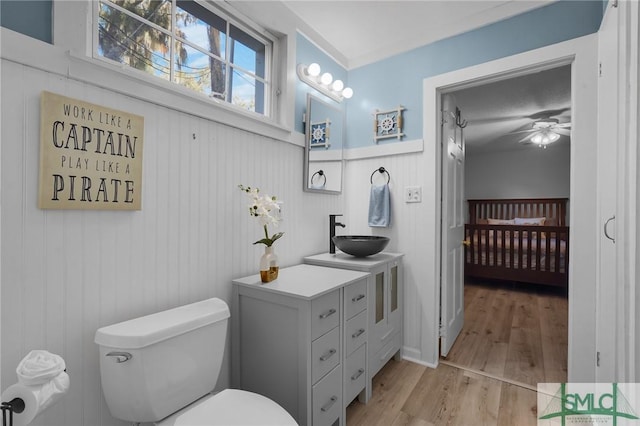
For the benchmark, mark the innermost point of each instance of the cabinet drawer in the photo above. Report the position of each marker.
(381, 357)
(355, 298)
(355, 332)
(327, 398)
(325, 313)
(355, 376)
(325, 353)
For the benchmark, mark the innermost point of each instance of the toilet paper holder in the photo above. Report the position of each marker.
(16, 405)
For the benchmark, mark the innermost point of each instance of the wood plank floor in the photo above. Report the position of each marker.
(513, 337)
(513, 331)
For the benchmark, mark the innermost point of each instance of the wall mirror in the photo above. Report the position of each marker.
(324, 136)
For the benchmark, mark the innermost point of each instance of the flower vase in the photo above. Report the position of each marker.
(268, 265)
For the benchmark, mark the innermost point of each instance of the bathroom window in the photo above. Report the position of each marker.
(193, 44)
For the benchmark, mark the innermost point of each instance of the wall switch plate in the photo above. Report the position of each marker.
(413, 194)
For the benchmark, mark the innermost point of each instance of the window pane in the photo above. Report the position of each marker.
(200, 72)
(247, 52)
(129, 41)
(156, 11)
(246, 92)
(201, 27)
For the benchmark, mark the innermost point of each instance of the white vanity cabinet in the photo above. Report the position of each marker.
(385, 312)
(301, 340)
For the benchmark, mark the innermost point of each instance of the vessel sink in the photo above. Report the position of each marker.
(360, 245)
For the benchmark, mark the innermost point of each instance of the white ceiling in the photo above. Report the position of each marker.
(365, 31)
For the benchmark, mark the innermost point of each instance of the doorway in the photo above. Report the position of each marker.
(512, 330)
(582, 56)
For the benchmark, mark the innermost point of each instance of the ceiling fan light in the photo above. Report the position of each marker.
(553, 136)
(537, 138)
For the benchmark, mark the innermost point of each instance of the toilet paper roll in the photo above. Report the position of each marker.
(36, 398)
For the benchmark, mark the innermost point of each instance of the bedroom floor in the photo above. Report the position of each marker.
(514, 336)
(513, 331)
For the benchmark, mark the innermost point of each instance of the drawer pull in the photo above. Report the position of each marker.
(358, 333)
(326, 407)
(328, 355)
(328, 313)
(357, 298)
(358, 374)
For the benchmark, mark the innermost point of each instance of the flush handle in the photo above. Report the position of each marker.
(120, 356)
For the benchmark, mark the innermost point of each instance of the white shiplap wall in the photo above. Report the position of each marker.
(67, 273)
(407, 232)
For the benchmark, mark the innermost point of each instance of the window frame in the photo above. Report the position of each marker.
(231, 18)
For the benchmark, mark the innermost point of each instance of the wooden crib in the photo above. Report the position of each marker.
(524, 240)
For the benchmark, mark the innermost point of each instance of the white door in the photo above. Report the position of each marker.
(606, 192)
(452, 280)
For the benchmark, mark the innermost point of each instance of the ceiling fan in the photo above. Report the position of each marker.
(544, 129)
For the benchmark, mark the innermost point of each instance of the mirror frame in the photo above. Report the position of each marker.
(307, 147)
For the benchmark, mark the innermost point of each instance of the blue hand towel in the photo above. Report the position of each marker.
(379, 206)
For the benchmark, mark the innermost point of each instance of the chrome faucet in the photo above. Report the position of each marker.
(332, 231)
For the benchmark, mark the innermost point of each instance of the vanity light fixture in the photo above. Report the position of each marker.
(323, 82)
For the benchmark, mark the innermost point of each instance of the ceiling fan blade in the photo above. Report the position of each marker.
(563, 125)
(548, 113)
(523, 131)
(527, 139)
(566, 132)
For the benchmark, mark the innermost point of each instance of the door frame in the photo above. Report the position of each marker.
(581, 53)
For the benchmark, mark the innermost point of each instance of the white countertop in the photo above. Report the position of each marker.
(304, 281)
(340, 259)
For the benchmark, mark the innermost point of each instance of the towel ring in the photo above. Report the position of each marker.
(380, 170)
(322, 175)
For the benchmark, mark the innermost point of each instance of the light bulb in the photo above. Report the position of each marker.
(326, 78)
(313, 70)
(537, 138)
(338, 85)
(347, 92)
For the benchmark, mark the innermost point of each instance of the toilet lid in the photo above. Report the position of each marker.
(231, 407)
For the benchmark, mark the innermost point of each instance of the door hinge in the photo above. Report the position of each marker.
(599, 69)
(598, 359)
(442, 332)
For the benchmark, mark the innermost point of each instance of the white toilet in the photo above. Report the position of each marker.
(162, 368)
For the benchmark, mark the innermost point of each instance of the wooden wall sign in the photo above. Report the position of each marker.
(90, 156)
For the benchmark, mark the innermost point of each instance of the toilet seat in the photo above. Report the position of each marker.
(231, 407)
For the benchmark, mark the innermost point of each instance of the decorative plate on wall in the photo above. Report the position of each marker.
(388, 124)
(320, 134)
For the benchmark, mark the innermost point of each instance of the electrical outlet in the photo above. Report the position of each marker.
(413, 194)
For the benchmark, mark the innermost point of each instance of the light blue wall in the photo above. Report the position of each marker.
(307, 53)
(398, 80)
(29, 17)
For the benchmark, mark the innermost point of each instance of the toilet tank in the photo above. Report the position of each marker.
(155, 365)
